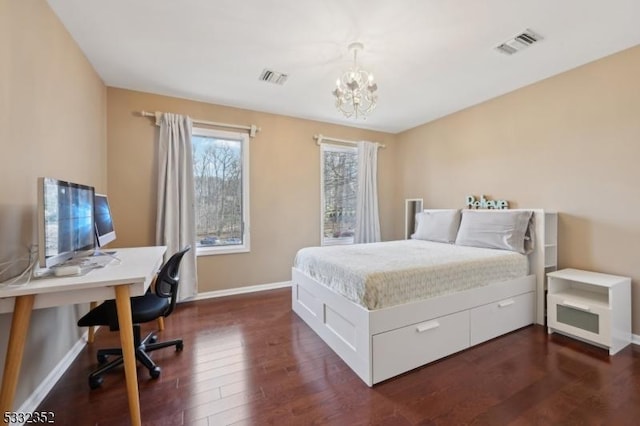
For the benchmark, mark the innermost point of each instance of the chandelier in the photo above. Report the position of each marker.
(356, 92)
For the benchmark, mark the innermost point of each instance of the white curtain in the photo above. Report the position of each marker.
(367, 218)
(175, 225)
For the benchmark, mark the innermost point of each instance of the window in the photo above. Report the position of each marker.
(339, 180)
(221, 181)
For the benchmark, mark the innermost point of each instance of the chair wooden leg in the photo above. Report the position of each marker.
(92, 330)
(160, 323)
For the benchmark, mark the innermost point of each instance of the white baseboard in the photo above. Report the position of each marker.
(240, 290)
(635, 339)
(40, 393)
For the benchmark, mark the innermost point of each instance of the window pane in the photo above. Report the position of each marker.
(339, 186)
(217, 168)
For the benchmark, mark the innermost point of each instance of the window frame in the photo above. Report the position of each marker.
(324, 146)
(243, 138)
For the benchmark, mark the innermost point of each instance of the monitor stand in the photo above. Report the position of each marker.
(99, 252)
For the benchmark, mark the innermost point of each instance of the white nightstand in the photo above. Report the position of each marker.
(590, 306)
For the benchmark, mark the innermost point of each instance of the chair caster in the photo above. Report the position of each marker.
(102, 358)
(179, 347)
(154, 372)
(153, 338)
(95, 381)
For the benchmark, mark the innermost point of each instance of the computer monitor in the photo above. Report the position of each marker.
(65, 220)
(105, 232)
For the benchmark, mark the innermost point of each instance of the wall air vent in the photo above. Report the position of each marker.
(274, 77)
(519, 42)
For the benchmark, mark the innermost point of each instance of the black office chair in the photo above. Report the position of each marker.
(149, 307)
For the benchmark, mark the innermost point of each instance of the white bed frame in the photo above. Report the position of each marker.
(380, 344)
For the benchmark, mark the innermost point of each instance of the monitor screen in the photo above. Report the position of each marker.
(105, 232)
(65, 220)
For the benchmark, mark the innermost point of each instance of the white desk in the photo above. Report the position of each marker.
(131, 277)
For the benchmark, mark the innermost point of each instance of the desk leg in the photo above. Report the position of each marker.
(92, 330)
(15, 350)
(123, 304)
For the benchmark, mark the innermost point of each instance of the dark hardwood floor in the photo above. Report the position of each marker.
(249, 360)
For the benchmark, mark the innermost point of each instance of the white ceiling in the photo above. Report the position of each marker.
(429, 57)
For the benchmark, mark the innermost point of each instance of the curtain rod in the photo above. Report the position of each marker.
(320, 137)
(253, 129)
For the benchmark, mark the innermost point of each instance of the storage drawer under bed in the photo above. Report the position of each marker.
(406, 348)
(497, 318)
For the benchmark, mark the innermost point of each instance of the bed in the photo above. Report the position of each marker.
(380, 320)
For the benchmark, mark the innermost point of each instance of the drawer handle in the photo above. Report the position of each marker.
(576, 306)
(506, 303)
(428, 326)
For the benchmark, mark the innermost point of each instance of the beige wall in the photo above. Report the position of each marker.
(284, 184)
(52, 123)
(570, 143)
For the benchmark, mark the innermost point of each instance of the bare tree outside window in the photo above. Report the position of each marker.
(339, 187)
(217, 167)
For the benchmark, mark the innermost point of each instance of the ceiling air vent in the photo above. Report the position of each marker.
(519, 42)
(274, 77)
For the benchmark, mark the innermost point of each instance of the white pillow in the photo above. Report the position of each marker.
(499, 229)
(437, 225)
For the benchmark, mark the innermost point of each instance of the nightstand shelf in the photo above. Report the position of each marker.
(584, 297)
(590, 306)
